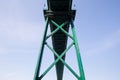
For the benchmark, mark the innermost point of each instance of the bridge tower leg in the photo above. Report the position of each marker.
(59, 57)
(59, 22)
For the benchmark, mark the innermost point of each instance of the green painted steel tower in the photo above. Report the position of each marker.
(59, 17)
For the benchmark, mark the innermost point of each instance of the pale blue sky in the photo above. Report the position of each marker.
(98, 30)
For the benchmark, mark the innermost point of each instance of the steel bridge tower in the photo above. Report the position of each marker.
(59, 17)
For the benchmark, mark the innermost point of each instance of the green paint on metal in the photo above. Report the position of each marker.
(60, 16)
(63, 60)
(59, 27)
(38, 65)
(81, 71)
(59, 57)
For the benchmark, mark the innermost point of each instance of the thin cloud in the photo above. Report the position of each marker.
(24, 35)
(9, 75)
(15, 27)
(106, 44)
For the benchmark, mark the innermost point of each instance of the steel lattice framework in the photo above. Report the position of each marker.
(59, 17)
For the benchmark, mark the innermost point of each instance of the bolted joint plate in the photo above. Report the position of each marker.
(66, 15)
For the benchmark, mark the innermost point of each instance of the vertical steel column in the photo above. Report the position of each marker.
(81, 71)
(38, 65)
